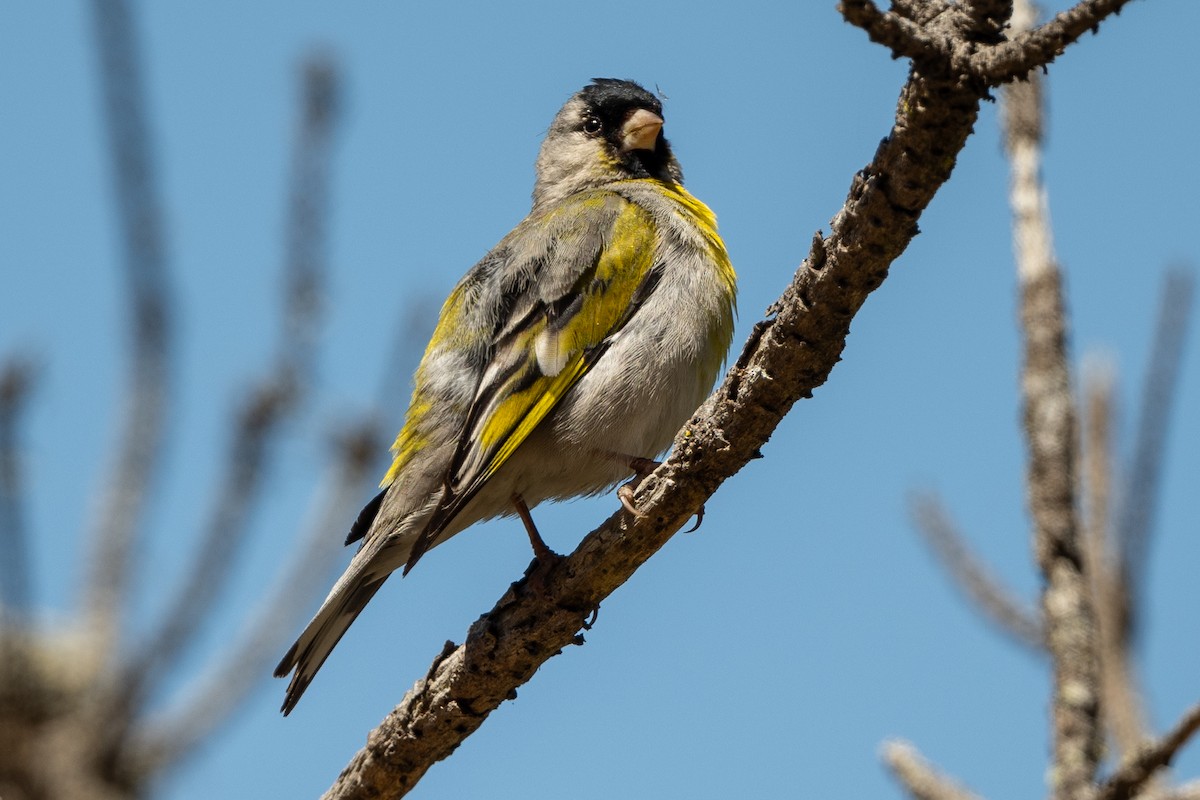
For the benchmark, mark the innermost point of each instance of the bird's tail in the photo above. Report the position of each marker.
(348, 598)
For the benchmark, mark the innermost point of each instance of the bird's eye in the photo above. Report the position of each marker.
(592, 125)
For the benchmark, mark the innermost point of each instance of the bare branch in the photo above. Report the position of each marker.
(260, 420)
(1136, 525)
(903, 35)
(1050, 430)
(16, 384)
(1070, 627)
(214, 697)
(786, 358)
(922, 780)
(145, 265)
(1033, 48)
(1121, 701)
(307, 237)
(990, 596)
(1099, 399)
(1134, 772)
(984, 57)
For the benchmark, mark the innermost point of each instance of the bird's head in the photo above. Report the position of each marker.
(609, 130)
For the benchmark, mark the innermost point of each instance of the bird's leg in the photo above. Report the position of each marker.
(543, 553)
(641, 468)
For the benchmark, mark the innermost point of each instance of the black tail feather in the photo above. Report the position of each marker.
(365, 517)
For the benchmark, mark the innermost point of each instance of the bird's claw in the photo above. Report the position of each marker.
(625, 495)
(641, 468)
(699, 519)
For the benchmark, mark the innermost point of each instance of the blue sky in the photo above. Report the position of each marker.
(770, 653)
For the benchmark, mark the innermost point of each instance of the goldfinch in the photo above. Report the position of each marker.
(562, 363)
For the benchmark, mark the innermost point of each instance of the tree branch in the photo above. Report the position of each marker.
(990, 596)
(1034, 48)
(1050, 430)
(922, 780)
(145, 265)
(1120, 702)
(1136, 771)
(904, 35)
(1135, 528)
(307, 234)
(985, 56)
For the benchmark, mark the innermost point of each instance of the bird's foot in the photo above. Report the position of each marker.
(641, 468)
(625, 495)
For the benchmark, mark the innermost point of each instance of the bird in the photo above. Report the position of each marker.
(561, 364)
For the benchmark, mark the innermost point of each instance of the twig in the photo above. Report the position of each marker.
(1135, 528)
(990, 596)
(922, 780)
(1099, 398)
(1135, 771)
(145, 264)
(904, 36)
(16, 384)
(1121, 701)
(215, 696)
(985, 56)
(1050, 430)
(1034, 48)
(307, 236)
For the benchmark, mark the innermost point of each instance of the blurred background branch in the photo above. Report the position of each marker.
(977, 582)
(1139, 501)
(147, 286)
(921, 779)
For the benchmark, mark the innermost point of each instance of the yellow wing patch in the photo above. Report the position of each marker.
(449, 332)
(597, 306)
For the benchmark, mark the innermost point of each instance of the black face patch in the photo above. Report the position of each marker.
(609, 104)
(612, 100)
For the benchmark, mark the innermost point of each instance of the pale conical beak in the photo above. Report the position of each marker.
(640, 131)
